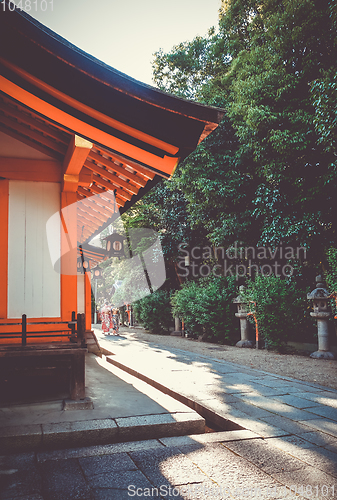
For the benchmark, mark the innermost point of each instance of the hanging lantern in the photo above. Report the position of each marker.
(97, 273)
(82, 264)
(115, 245)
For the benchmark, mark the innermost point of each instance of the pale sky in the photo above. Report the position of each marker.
(126, 33)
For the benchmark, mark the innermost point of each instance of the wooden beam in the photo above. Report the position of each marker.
(81, 214)
(122, 194)
(85, 215)
(57, 126)
(138, 134)
(87, 225)
(103, 209)
(105, 194)
(25, 140)
(84, 233)
(84, 208)
(75, 157)
(84, 193)
(111, 177)
(146, 172)
(116, 168)
(107, 204)
(36, 136)
(126, 195)
(96, 208)
(165, 164)
(23, 117)
(25, 169)
(86, 177)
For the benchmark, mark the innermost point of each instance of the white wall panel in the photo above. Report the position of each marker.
(33, 285)
(81, 293)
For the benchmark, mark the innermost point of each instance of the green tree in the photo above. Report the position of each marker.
(324, 91)
(219, 184)
(284, 48)
(164, 209)
(276, 164)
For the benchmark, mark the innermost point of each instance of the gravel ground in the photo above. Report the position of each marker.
(319, 371)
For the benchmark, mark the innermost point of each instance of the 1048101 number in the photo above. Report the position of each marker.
(28, 5)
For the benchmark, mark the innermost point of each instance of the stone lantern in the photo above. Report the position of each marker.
(320, 297)
(242, 315)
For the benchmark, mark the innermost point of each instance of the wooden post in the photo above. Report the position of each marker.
(77, 376)
(72, 326)
(81, 329)
(24, 330)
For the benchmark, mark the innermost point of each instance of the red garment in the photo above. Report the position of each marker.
(106, 317)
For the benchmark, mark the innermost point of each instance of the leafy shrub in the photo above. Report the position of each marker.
(206, 307)
(154, 312)
(331, 275)
(280, 308)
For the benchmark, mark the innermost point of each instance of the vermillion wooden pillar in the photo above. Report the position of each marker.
(69, 254)
(77, 154)
(4, 194)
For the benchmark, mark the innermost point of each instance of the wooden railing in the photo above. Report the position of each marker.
(74, 332)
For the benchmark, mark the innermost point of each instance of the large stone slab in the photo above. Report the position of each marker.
(155, 426)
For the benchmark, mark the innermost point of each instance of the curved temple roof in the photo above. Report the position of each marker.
(113, 136)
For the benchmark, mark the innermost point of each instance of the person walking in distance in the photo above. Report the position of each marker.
(115, 321)
(106, 318)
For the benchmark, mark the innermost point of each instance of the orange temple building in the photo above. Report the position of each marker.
(79, 144)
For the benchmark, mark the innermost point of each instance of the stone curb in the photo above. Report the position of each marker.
(39, 437)
(149, 444)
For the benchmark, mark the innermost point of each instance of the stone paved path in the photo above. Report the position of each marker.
(288, 448)
(294, 365)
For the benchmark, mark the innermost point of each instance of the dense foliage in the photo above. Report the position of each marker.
(331, 277)
(206, 308)
(279, 310)
(269, 174)
(154, 312)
